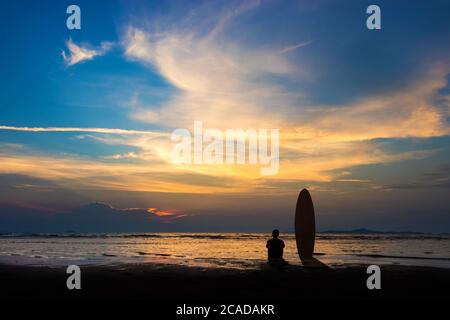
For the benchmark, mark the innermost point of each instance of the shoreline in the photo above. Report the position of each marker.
(249, 264)
(161, 282)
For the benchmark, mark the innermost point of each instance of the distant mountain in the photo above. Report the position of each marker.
(90, 218)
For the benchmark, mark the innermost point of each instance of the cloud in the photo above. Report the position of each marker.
(294, 47)
(169, 214)
(409, 112)
(230, 83)
(128, 155)
(212, 76)
(148, 175)
(79, 53)
(227, 83)
(91, 218)
(74, 129)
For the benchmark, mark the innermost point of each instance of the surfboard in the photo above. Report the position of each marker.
(305, 225)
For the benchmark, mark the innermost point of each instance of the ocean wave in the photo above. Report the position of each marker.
(134, 235)
(412, 236)
(229, 236)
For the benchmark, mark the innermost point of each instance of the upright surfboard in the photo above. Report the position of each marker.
(305, 225)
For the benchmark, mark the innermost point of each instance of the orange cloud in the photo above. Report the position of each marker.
(163, 213)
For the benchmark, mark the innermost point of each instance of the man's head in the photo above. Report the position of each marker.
(275, 233)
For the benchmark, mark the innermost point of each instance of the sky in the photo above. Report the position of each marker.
(86, 116)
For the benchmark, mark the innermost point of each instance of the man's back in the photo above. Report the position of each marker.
(275, 248)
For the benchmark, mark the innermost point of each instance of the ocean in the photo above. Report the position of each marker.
(220, 250)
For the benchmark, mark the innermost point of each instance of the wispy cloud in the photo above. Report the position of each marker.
(79, 53)
(75, 129)
(172, 214)
(212, 76)
(410, 112)
(128, 155)
(294, 47)
(227, 83)
(164, 215)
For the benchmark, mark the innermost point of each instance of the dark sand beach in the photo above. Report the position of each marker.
(180, 284)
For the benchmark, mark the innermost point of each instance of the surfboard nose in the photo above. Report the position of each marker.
(305, 228)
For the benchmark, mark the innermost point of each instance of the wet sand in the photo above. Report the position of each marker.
(153, 282)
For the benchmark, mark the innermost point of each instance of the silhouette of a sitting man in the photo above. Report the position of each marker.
(275, 248)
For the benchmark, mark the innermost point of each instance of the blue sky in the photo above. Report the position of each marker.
(362, 114)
